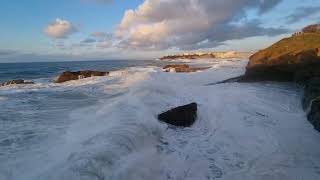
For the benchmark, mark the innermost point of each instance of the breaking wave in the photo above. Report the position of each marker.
(105, 128)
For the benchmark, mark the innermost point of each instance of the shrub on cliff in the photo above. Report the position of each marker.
(314, 28)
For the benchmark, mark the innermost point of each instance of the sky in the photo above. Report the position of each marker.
(60, 30)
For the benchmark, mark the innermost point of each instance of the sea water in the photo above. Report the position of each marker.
(106, 128)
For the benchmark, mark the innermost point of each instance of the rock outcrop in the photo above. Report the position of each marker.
(17, 81)
(311, 92)
(69, 76)
(314, 114)
(311, 101)
(182, 68)
(176, 68)
(294, 59)
(182, 116)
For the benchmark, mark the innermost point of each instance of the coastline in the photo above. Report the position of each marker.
(240, 126)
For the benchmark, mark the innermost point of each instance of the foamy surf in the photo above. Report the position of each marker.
(109, 130)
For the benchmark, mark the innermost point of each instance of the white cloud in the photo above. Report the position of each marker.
(60, 29)
(190, 24)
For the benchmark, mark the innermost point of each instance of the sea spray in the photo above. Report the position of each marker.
(106, 128)
(109, 133)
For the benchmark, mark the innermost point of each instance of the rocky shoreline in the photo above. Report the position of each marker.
(63, 77)
(77, 75)
(182, 68)
(69, 76)
(16, 81)
(294, 59)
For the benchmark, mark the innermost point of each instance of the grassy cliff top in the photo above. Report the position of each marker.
(287, 46)
(298, 43)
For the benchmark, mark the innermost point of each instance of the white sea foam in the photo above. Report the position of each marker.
(243, 131)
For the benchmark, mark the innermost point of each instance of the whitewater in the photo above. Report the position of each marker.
(106, 128)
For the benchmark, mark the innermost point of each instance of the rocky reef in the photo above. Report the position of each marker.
(182, 68)
(69, 76)
(16, 81)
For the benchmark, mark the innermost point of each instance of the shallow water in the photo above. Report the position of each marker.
(106, 128)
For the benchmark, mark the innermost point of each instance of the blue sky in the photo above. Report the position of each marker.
(43, 30)
(22, 22)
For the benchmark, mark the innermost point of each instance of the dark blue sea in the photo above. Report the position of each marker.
(29, 71)
(37, 118)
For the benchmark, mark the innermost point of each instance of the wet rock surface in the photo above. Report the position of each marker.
(314, 114)
(182, 68)
(17, 81)
(69, 76)
(182, 116)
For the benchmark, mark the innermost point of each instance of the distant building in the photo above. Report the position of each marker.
(297, 33)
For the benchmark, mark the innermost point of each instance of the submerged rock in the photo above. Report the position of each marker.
(176, 68)
(182, 116)
(17, 81)
(68, 75)
(182, 68)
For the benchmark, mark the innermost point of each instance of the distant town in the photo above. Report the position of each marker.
(206, 55)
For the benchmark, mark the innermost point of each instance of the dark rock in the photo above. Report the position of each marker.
(314, 114)
(182, 116)
(182, 68)
(311, 92)
(68, 75)
(17, 81)
(176, 66)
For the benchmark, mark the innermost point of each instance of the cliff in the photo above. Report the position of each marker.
(288, 60)
(293, 59)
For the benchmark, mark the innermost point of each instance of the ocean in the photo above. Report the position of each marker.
(106, 128)
(33, 117)
(38, 70)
